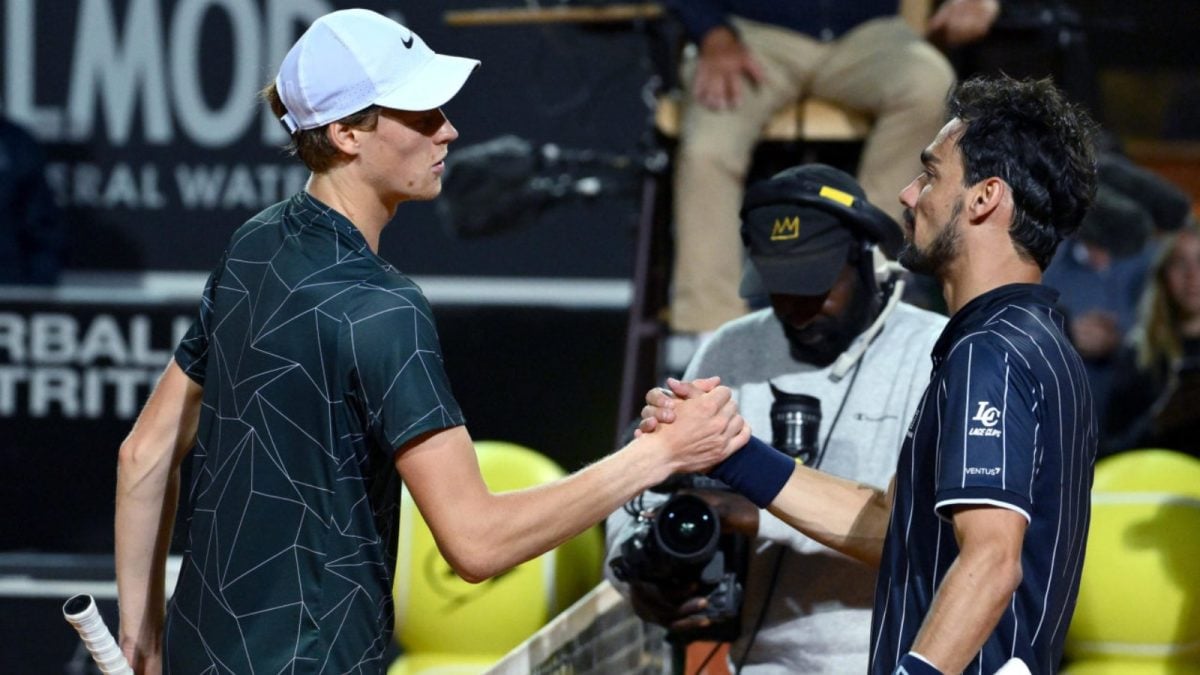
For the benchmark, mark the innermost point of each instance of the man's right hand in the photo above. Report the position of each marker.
(660, 402)
(705, 427)
(724, 62)
(143, 662)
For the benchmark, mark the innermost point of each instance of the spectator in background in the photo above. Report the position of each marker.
(1100, 279)
(1100, 274)
(754, 57)
(32, 229)
(1156, 387)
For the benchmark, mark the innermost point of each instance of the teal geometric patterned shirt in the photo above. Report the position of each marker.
(318, 359)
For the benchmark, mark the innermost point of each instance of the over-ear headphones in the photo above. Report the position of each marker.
(830, 194)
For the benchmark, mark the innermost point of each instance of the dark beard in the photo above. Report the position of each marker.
(942, 250)
(825, 339)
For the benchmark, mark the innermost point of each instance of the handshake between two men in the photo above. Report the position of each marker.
(758, 471)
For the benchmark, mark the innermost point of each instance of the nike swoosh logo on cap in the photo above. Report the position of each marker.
(408, 43)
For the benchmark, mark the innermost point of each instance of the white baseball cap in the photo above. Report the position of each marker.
(353, 58)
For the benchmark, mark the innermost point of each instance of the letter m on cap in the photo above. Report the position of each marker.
(785, 228)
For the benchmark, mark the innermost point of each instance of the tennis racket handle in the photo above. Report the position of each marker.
(80, 611)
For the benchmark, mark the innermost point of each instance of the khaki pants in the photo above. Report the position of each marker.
(880, 67)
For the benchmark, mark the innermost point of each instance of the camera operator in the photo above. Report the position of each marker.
(837, 332)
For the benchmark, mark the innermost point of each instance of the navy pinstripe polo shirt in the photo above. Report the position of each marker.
(1007, 421)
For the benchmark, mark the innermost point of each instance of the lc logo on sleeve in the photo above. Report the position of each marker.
(987, 415)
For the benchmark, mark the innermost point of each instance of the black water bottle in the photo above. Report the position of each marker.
(795, 423)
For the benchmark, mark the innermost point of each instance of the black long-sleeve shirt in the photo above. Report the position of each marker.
(1134, 419)
(822, 19)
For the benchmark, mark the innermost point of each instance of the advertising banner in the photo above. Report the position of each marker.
(158, 145)
(73, 377)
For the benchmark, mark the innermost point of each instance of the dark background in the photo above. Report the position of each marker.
(575, 86)
(540, 376)
(548, 378)
(544, 377)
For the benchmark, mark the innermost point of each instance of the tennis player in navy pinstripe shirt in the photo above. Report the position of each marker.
(980, 536)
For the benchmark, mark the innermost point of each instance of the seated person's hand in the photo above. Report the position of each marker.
(960, 22)
(724, 67)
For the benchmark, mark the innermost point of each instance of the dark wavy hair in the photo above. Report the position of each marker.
(1026, 133)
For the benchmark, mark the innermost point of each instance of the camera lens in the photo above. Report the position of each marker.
(795, 421)
(687, 528)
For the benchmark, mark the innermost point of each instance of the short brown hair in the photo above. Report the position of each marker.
(313, 146)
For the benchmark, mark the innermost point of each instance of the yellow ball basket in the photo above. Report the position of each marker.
(1139, 598)
(447, 626)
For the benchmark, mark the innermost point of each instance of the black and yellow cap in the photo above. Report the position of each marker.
(800, 225)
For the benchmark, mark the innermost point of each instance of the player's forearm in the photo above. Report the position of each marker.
(481, 534)
(966, 609)
(147, 495)
(145, 516)
(847, 516)
(516, 526)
